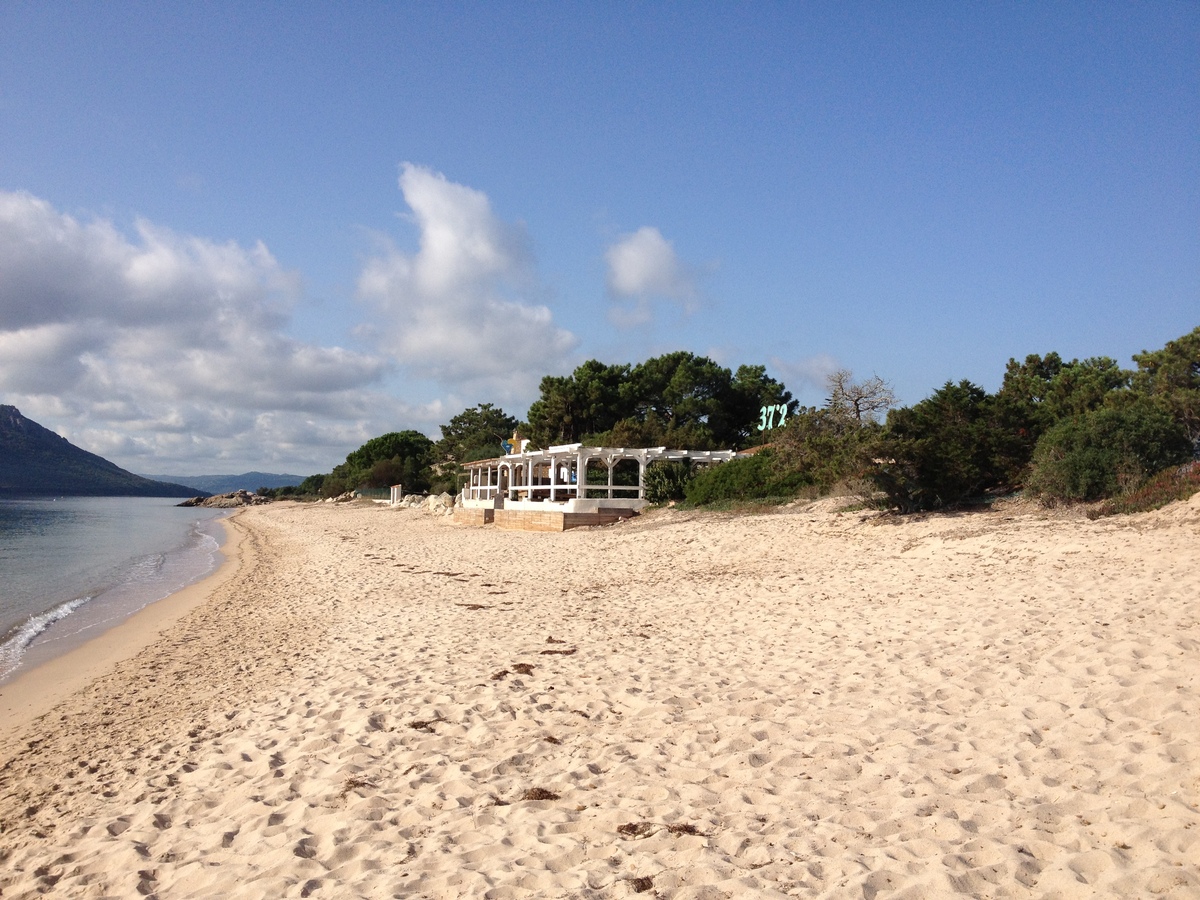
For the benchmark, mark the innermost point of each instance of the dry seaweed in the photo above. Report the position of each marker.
(635, 829)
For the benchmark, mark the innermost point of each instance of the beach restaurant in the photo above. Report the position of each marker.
(565, 486)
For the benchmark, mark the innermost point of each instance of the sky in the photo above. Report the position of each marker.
(252, 236)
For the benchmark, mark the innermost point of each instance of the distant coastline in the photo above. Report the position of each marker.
(225, 484)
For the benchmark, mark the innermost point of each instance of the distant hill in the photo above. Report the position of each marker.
(227, 484)
(35, 461)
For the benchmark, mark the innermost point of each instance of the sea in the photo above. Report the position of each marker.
(73, 567)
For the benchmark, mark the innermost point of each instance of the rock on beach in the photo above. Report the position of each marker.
(227, 501)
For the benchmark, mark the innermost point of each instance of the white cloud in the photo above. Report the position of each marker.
(809, 374)
(643, 267)
(645, 263)
(458, 310)
(169, 351)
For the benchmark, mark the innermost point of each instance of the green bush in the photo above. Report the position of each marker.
(822, 447)
(1106, 451)
(940, 452)
(746, 478)
(334, 486)
(666, 481)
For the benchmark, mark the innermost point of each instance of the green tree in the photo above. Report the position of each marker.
(312, 485)
(588, 401)
(1040, 392)
(475, 433)
(680, 389)
(678, 399)
(1046, 389)
(1170, 377)
(700, 404)
(409, 452)
(752, 389)
(939, 452)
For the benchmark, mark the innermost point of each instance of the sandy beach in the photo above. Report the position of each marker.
(368, 702)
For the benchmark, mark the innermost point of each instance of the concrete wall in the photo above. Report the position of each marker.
(477, 516)
(549, 520)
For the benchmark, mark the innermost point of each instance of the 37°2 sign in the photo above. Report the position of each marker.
(769, 413)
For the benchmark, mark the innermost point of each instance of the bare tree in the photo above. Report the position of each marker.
(864, 402)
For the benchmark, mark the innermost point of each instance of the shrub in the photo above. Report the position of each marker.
(666, 481)
(334, 486)
(1176, 483)
(746, 478)
(1106, 451)
(823, 447)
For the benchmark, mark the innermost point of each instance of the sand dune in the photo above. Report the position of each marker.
(807, 703)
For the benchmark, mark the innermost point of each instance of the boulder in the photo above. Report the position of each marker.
(434, 503)
(227, 501)
(439, 502)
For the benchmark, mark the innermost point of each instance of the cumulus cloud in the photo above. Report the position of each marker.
(166, 349)
(459, 309)
(643, 267)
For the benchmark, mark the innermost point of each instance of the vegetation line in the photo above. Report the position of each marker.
(1061, 431)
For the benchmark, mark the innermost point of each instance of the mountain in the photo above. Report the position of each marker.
(227, 484)
(35, 461)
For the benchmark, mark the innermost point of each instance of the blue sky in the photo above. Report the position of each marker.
(236, 238)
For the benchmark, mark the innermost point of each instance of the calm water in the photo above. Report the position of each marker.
(73, 567)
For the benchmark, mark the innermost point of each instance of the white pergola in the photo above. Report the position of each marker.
(560, 473)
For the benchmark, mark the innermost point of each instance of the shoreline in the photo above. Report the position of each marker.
(36, 691)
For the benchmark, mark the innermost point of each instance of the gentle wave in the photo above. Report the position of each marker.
(147, 568)
(13, 648)
(145, 580)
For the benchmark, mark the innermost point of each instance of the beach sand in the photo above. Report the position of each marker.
(812, 703)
